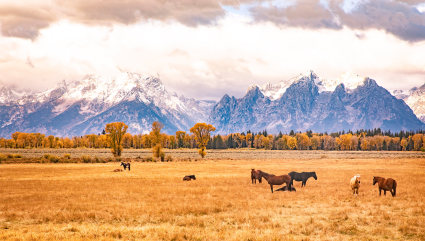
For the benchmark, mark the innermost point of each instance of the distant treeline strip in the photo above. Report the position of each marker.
(367, 140)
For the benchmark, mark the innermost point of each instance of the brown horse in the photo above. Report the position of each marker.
(255, 174)
(276, 180)
(189, 177)
(388, 184)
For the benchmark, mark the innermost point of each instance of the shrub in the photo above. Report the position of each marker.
(99, 160)
(162, 155)
(86, 159)
(67, 156)
(17, 156)
(169, 158)
(54, 159)
(9, 155)
(2, 157)
(148, 159)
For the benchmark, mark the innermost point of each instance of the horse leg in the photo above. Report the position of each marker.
(271, 187)
(379, 191)
(385, 192)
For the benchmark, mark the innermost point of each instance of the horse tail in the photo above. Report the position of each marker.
(395, 187)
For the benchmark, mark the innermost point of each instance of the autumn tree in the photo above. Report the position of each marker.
(115, 132)
(417, 141)
(303, 141)
(315, 142)
(156, 140)
(180, 135)
(202, 131)
(291, 142)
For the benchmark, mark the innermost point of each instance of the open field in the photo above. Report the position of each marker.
(227, 154)
(90, 202)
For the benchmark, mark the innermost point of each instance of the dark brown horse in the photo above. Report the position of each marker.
(388, 184)
(276, 180)
(189, 177)
(255, 174)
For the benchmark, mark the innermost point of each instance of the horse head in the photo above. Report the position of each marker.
(357, 178)
(375, 180)
(314, 176)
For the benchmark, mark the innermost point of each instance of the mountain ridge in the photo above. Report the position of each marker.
(303, 103)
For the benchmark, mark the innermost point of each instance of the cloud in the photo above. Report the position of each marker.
(210, 60)
(24, 19)
(401, 18)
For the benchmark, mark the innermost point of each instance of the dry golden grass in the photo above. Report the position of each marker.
(90, 202)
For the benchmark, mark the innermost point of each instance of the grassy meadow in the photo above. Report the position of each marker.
(85, 201)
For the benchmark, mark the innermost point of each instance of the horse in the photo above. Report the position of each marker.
(125, 165)
(189, 177)
(117, 170)
(388, 184)
(276, 180)
(255, 174)
(285, 188)
(355, 184)
(301, 177)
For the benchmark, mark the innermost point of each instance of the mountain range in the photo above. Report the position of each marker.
(302, 103)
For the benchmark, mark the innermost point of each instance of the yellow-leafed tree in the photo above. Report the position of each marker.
(202, 132)
(116, 131)
(156, 139)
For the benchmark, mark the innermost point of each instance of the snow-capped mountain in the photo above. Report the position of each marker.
(415, 98)
(302, 103)
(306, 104)
(86, 106)
(275, 91)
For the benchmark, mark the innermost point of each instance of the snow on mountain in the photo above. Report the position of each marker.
(85, 106)
(304, 105)
(301, 103)
(9, 95)
(275, 91)
(415, 98)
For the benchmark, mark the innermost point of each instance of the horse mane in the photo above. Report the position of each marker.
(265, 173)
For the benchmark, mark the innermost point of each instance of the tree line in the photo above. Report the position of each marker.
(199, 137)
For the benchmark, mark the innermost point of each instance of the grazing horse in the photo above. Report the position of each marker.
(255, 174)
(276, 180)
(125, 165)
(301, 177)
(189, 177)
(355, 184)
(388, 184)
(117, 170)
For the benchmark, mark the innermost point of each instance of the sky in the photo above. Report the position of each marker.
(207, 48)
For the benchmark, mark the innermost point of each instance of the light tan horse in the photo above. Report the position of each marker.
(355, 184)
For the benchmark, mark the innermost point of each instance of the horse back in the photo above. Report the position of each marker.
(389, 183)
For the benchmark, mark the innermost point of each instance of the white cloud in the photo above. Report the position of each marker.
(209, 61)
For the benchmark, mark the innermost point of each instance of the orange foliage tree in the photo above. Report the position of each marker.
(202, 133)
(115, 132)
